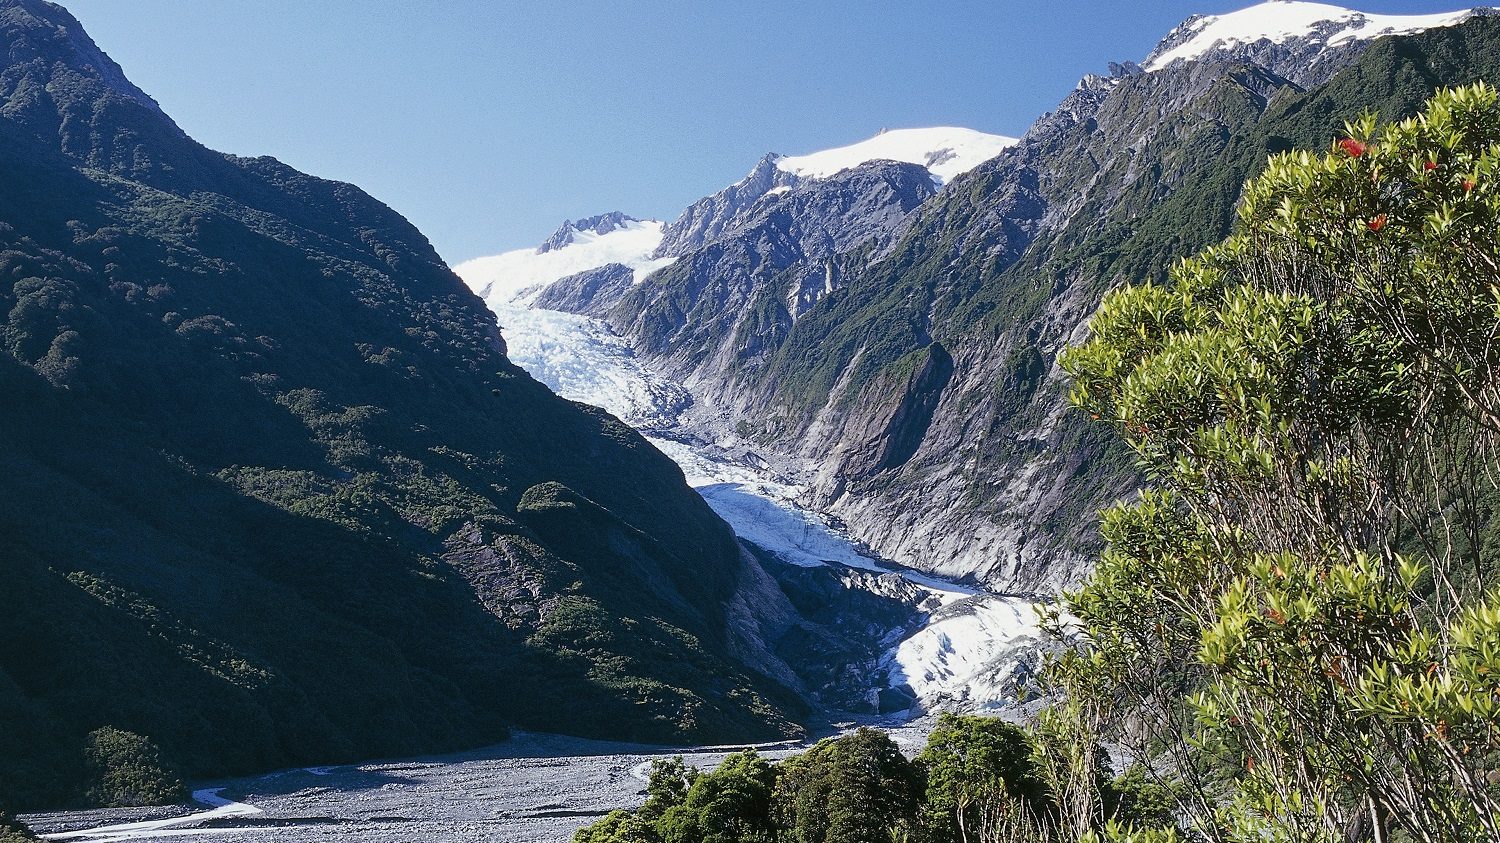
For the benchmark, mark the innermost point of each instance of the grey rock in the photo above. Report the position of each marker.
(969, 464)
(711, 216)
(598, 224)
(592, 292)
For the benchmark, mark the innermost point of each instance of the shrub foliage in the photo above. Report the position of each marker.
(1299, 616)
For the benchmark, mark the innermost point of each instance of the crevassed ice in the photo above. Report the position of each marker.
(965, 653)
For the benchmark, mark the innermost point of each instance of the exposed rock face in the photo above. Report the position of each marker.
(724, 306)
(712, 216)
(824, 630)
(592, 292)
(909, 366)
(598, 224)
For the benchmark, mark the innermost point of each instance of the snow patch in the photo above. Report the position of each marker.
(945, 151)
(517, 277)
(1279, 21)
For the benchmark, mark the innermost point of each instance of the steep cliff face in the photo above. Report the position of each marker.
(708, 218)
(917, 388)
(724, 307)
(268, 470)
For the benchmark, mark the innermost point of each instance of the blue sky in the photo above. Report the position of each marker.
(488, 123)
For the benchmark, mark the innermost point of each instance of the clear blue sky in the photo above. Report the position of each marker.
(488, 123)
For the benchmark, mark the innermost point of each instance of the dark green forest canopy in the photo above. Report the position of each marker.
(977, 780)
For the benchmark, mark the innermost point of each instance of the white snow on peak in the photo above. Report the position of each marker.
(1279, 21)
(517, 277)
(945, 151)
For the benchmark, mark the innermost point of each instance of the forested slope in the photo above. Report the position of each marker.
(273, 492)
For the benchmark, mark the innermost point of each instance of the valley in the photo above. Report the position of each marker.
(458, 551)
(960, 645)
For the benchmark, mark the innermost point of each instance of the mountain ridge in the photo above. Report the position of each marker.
(828, 391)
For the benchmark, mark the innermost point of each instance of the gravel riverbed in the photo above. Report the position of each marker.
(530, 789)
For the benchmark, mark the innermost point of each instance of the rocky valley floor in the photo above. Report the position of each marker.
(530, 789)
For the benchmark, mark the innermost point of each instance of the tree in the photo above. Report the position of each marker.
(732, 804)
(126, 770)
(1297, 615)
(980, 774)
(618, 827)
(667, 786)
(857, 788)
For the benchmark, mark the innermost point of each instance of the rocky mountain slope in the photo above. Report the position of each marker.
(907, 370)
(274, 494)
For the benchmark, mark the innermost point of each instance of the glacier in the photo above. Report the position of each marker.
(975, 647)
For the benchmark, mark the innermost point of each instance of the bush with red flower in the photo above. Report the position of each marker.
(1299, 621)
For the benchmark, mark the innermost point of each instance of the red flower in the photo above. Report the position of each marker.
(1468, 185)
(1377, 223)
(1429, 165)
(1353, 147)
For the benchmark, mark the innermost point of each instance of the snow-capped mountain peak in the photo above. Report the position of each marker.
(599, 224)
(945, 151)
(1280, 21)
(516, 277)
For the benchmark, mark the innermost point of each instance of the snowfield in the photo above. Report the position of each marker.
(945, 151)
(518, 276)
(1279, 21)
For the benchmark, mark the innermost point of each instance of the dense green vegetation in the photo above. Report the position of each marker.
(126, 770)
(978, 777)
(1299, 622)
(267, 471)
